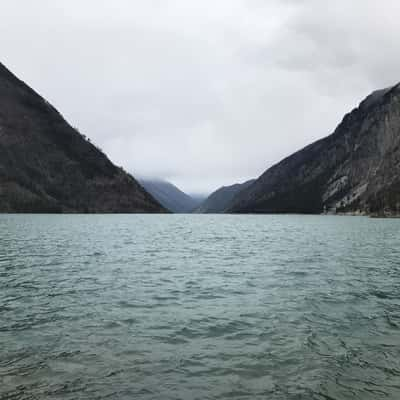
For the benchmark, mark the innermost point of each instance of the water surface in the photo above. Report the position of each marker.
(199, 307)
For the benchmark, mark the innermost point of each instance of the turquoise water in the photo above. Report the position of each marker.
(199, 307)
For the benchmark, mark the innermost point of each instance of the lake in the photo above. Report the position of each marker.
(199, 307)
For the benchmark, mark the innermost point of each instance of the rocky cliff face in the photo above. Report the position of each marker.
(47, 166)
(218, 201)
(354, 170)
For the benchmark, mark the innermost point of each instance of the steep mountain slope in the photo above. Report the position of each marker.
(47, 166)
(169, 195)
(354, 170)
(221, 198)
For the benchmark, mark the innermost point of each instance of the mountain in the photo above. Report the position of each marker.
(221, 198)
(170, 196)
(48, 166)
(354, 170)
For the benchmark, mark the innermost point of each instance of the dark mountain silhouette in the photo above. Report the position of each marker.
(48, 166)
(218, 201)
(169, 195)
(354, 170)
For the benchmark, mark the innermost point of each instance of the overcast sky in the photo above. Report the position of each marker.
(203, 93)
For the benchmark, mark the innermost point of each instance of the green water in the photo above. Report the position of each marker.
(199, 307)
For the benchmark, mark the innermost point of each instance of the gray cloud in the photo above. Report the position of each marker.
(202, 93)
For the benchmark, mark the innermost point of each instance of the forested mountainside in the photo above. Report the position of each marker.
(48, 166)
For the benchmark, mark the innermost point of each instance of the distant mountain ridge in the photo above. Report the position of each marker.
(218, 201)
(171, 197)
(48, 166)
(354, 170)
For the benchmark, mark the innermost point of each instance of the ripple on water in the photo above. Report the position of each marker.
(199, 307)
